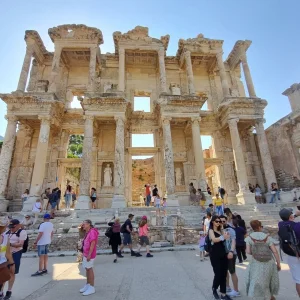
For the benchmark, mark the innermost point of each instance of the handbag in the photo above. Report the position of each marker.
(4, 272)
(109, 232)
(273, 192)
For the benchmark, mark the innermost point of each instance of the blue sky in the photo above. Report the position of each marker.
(272, 25)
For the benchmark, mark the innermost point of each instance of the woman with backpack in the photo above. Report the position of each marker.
(115, 238)
(262, 280)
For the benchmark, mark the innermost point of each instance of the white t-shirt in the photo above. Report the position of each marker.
(47, 229)
(157, 200)
(14, 239)
(36, 207)
(207, 224)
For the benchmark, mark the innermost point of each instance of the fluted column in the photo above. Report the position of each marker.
(54, 69)
(198, 153)
(25, 69)
(248, 77)
(6, 157)
(92, 68)
(222, 71)
(169, 159)
(121, 86)
(265, 153)
(244, 196)
(86, 163)
(189, 70)
(162, 70)
(119, 165)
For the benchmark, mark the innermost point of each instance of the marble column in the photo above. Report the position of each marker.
(92, 68)
(54, 69)
(244, 196)
(223, 76)
(198, 153)
(6, 158)
(25, 69)
(189, 71)
(248, 77)
(121, 86)
(119, 165)
(265, 153)
(162, 70)
(86, 163)
(169, 162)
(39, 169)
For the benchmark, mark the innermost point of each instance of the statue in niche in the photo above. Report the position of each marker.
(178, 176)
(107, 176)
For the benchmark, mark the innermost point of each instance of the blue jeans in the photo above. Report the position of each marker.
(148, 200)
(68, 199)
(219, 210)
(277, 194)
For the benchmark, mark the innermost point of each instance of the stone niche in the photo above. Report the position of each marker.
(175, 89)
(107, 177)
(179, 177)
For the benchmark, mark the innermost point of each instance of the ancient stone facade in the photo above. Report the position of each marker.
(34, 156)
(284, 142)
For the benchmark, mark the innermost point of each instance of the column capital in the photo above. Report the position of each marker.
(11, 118)
(219, 54)
(161, 51)
(243, 57)
(233, 122)
(44, 119)
(260, 121)
(195, 121)
(166, 120)
(121, 51)
(187, 54)
(88, 117)
(119, 118)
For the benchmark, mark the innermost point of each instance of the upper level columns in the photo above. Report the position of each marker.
(162, 70)
(119, 167)
(55, 69)
(189, 70)
(222, 71)
(86, 163)
(199, 160)
(265, 153)
(248, 77)
(25, 69)
(6, 156)
(92, 68)
(169, 159)
(121, 85)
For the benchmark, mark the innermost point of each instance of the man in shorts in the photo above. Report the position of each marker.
(230, 246)
(17, 237)
(127, 230)
(42, 242)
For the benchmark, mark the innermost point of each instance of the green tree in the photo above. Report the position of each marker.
(75, 146)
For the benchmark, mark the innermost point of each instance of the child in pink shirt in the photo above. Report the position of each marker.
(143, 237)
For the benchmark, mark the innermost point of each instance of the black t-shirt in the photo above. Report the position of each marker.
(154, 192)
(127, 222)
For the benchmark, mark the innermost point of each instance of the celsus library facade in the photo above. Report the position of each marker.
(41, 118)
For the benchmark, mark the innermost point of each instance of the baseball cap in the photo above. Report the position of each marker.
(13, 223)
(47, 216)
(144, 217)
(285, 214)
(130, 215)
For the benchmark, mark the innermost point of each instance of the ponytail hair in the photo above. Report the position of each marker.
(142, 223)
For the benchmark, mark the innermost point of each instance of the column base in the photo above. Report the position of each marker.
(172, 200)
(28, 204)
(83, 202)
(3, 204)
(245, 198)
(118, 201)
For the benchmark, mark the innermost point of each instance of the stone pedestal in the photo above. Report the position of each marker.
(3, 204)
(118, 201)
(86, 163)
(172, 200)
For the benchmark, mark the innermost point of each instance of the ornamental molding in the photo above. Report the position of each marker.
(293, 88)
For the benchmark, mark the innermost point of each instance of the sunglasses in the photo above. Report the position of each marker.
(217, 221)
(223, 221)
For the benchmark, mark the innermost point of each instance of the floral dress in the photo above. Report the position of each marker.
(262, 280)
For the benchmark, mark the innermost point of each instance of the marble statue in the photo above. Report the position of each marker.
(178, 176)
(107, 176)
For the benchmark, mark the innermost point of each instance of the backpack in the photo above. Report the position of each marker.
(289, 243)
(194, 190)
(260, 250)
(222, 191)
(26, 242)
(207, 244)
(123, 229)
(109, 232)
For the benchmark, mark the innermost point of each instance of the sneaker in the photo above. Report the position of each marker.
(246, 259)
(215, 294)
(133, 253)
(228, 289)
(45, 271)
(115, 260)
(120, 255)
(138, 254)
(82, 290)
(234, 293)
(90, 290)
(7, 295)
(149, 255)
(201, 259)
(37, 273)
(240, 263)
(226, 297)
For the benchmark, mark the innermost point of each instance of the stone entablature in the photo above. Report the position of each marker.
(107, 85)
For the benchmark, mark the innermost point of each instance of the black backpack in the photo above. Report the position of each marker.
(26, 242)
(222, 191)
(109, 232)
(207, 244)
(289, 243)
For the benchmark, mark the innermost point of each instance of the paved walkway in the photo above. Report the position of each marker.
(168, 275)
